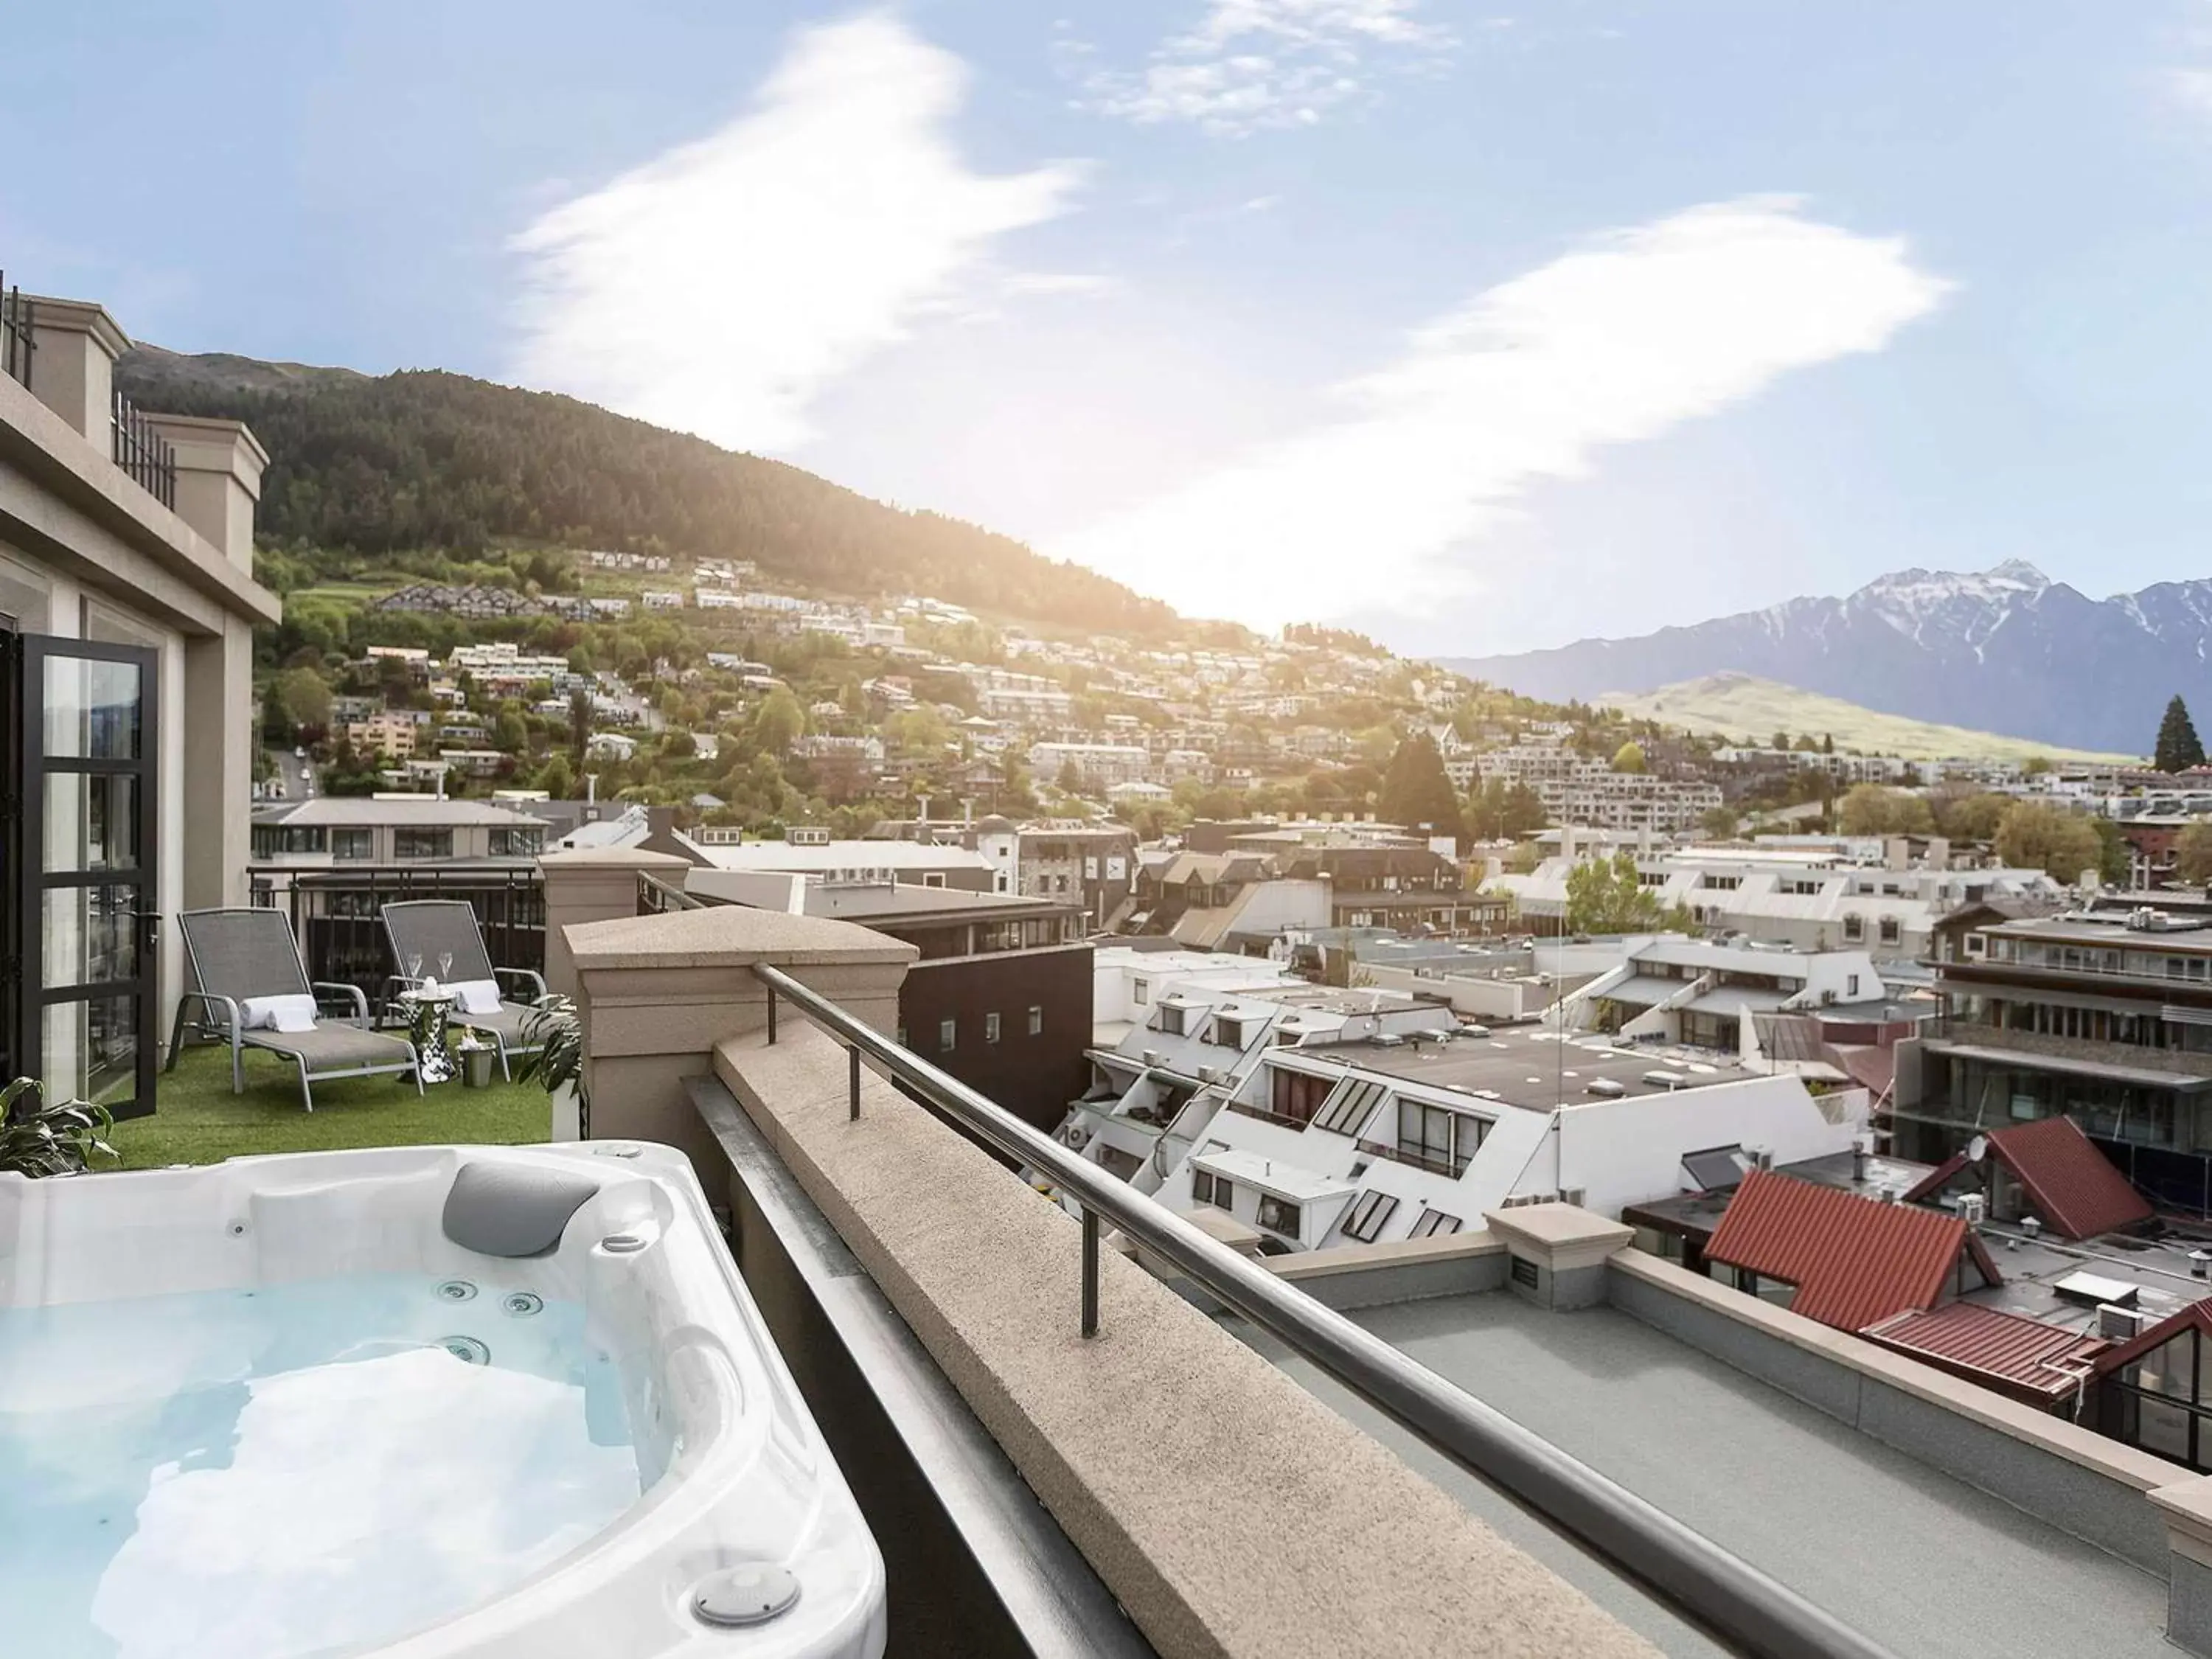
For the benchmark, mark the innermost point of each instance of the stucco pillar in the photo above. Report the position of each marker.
(1556, 1252)
(593, 884)
(216, 800)
(219, 467)
(657, 993)
(74, 343)
(2186, 1508)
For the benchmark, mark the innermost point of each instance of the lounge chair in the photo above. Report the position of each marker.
(240, 957)
(430, 928)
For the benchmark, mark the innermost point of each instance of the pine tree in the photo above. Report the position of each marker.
(1415, 789)
(2178, 748)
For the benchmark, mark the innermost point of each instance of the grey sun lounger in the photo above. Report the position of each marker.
(429, 928)
(238, 954)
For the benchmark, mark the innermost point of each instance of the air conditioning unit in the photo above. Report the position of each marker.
(1762, 1157)
(1154, 1056)
(1973, 1209)
(2118, 1324)
(1209, 1074)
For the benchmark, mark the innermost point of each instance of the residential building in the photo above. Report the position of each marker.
(1091, 866)
(1096, 765)
(1695, 993)
(331, 862)
(2103, 1017)
(127, 606)
(1819, 896)
(1322, 1117)
(841, 769)
(385, 734)
(1000, 994)
(922, 864)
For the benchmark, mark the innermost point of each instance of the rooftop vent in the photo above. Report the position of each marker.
(2092, 1290)
(1665, 1079)
(1387, 1040)
(1610, 1088)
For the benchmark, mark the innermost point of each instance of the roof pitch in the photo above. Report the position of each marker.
(1853, 1260)
(2022, 1357)
(2073, 1186)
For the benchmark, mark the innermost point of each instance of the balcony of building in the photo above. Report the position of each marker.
(1123, 1434)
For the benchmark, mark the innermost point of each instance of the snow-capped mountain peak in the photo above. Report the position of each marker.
(2003, 649)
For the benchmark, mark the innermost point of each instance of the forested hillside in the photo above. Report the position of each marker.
(424, 459)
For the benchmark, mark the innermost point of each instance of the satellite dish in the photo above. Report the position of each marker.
(1978, 1149)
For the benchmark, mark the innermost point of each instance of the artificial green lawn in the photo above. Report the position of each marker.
(197, 1120)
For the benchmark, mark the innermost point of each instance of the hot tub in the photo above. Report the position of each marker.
(421, 1402)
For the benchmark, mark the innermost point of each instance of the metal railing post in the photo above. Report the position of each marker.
(1090, 1272)
(771, 1015)
(852, 1056)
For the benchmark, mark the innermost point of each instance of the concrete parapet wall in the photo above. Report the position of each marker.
(2074, 1478)
(1229, 1511)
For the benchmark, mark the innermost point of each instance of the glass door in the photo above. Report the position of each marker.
(88, 904)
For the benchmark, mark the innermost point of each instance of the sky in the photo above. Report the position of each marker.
(1481, 327)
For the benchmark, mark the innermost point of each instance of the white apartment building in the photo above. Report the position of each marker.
(1316, 1117)
(1578, 790)
(1104, 765)
(1812, 898)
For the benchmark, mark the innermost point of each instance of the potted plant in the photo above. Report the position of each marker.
(554, 1029)
(39, 1140)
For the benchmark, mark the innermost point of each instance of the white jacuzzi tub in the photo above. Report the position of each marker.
(275, 1407)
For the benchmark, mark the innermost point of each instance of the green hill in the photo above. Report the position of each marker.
(423, 459)
(1743, 705)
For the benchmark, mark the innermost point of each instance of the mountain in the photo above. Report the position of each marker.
(2004, 650)
(1740, 705)
(425, 459)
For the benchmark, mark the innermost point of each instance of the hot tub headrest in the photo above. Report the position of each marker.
(513, 1209)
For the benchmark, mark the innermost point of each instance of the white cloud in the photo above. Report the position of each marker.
(1616, 343)
(719, 288)
(1250, 64)
(2191, 87)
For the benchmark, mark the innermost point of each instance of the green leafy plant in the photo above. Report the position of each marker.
(557, 1035)
(41, 1140)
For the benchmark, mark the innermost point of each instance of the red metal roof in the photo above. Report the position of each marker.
(1853, 1260)
(2024, 1357)
(2070, 1184)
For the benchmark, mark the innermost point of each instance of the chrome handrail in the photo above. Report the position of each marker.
(1722, 1594)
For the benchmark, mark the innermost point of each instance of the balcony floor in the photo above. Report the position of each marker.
(1913, 1559)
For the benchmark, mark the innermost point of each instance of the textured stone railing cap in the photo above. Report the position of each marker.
(724, 936)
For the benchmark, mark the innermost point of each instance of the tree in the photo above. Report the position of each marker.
(679, 746)
(509, 734)
(2035, 766)
(778, 722)
(1629, 757)
(1500, 811)
(556, 779)
(1608, 896)
(1868, 809)
(580, 724)
(1971, 816)
(1720, 823)
(303, 698)
(1779, 740)
(2035, 836)
(2178, 748)
(2115, 857)
(2193, 853)
(1416, 791)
